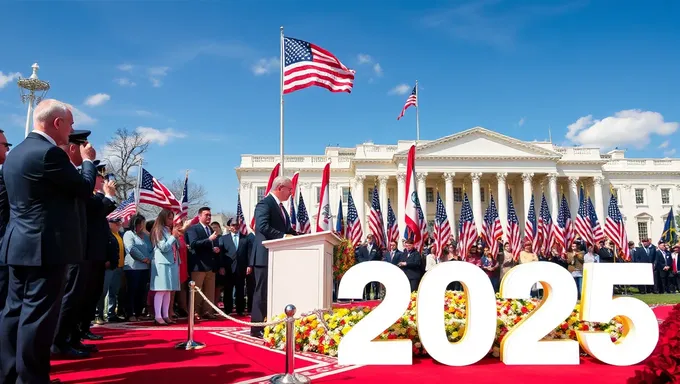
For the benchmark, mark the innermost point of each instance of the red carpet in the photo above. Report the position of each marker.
(143, 353)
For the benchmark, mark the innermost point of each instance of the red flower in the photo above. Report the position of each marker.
(663, 366)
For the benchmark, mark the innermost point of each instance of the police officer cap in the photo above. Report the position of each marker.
(101, 167)
(79, 136)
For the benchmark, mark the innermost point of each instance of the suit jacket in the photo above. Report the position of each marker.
(362, 254)
(4, 210)
(663, 259)
(388, 256)
(413, 260)
(112, 251)
(97, 207)
(233, 258)
(641, 256)
(202, 258)
(270, 225)
(42, 189)
(606, 255)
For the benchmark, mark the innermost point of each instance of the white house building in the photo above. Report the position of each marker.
(481, 163)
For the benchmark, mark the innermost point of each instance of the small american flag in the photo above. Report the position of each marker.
(531, 227)
(184, 210)
(303, 224)
(491, 227)
(562, 233)
(392, 225)
(442, 228)
(309, 65)
(354, 231)
(292, 214)
(598, 234)
(614, 228)
(466, 228)
(412, 100)
(548, 228)
(153, 192)
(375, 221)
(513, 230)
(582, 222)
(243, 228)
(125, 209)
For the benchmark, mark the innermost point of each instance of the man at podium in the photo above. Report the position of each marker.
(271, 222)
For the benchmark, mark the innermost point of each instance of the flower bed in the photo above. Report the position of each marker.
(311, 336)
(663, 366)
(343, 258)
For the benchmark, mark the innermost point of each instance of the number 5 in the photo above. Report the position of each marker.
(640, 326)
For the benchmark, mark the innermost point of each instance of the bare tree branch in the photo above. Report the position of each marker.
(122, 153)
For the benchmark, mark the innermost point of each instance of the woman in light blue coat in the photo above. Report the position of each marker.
(165, 265)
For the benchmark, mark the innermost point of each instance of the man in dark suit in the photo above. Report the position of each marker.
(42, 237)
(663, 263)
(409, 261)
(271, 222)
(4, 218)
(369, 252)
(605, 253)
(390, 256)
(236, 249)
(646, 254)
(203, 255)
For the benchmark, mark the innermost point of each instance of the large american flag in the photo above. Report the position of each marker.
(354, 231)
(243, 228)
(375, 220)
(563, 230)
(598, 234)
(340, 221)
(303, 223)
(392, 225)
(412, 100)
(467, 230)
(125, 209)
(153, 192)
(491, 227)
(292, 214)
(423, 226)
(184, 210)
(582, 222)
(531, 227)
(442, 228)
(614, 228)
(309, 65)
(514, 237)
(548, 227)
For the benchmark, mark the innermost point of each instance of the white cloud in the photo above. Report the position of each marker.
(142, 112)
(366, 59)
(156, 83)
(400, 89)
(82, 118)
(8, 78)
(629, 127)
(363, 58)
(159, 137)
(669, 153)
(156, 74)
(97, 100)
(265, 66)
(521, 121)
(125, 82)
(377, 69)
(125, 67)
(664, 144)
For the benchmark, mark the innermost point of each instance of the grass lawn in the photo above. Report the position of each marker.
(653, 299)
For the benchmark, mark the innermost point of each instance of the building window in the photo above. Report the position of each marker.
(643, 232)
(481, 192)
(345, 194)
(457, 194)
(616, 194)
(639, 196)
(260, 193)
(318, 194)
(665, 196)
(429, 195)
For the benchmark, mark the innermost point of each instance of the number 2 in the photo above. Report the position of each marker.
(357, 346)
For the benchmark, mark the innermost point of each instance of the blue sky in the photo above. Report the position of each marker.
(202, 77)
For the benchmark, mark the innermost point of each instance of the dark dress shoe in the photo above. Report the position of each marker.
(115, 319)
(85, 347)
(70, 353)
(55, 381)
(91, 336)
(259, 335)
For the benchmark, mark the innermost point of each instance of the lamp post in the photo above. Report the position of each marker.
(28, 89)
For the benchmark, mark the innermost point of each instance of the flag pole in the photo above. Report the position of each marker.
(283, 59)
(417, 114)
(139, 181)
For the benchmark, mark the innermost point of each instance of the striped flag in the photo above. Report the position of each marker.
(491, 227)
(353, 231)
(467, 230)
(615, 229)
(273, 175)
(375, 220)
(303, 224)
(598, 234)
(153, 192)
(184, 210)
(392, 225)
(531, 227)
(340, 221)
(411, 216)
(412, 100)
(323, 215)
(442, 228)
(422, 223)
(125, 209)
(308, 65)
(548, 228)
(243, 228)
(514, 237)
(582, 222)
(563, 231)
(293, 215)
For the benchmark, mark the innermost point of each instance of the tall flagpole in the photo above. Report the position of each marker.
(139, 182)
(417, 114)
(283, 59)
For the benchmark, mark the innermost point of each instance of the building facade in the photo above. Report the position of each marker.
(480, 163)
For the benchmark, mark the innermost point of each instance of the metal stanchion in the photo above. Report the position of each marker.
(290, 377)
(191, 343)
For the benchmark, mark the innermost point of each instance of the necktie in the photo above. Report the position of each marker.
(282, 211)
(236, 240)
(207, 230)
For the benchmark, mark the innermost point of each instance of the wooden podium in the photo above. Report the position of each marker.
(300, 272)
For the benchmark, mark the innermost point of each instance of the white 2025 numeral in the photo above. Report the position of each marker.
(522, 345)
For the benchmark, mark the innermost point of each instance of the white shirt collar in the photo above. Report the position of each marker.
(278, 202)
(46, 136)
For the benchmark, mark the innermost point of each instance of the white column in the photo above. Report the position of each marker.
(526, 177)
(477, 200)
(502, 199)
(599, 201)
(448, 196)
(246, 205)
(573, 196)
(399, 204)
(333, 201)
(422, 192)
(554, 201)
(358, 197)
(382, 191)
